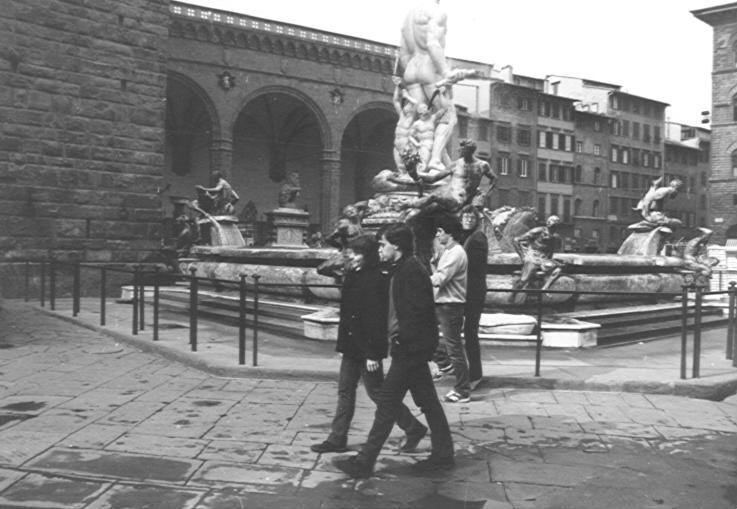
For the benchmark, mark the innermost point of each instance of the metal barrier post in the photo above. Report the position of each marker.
(43, 283)
(697, 333)
(141, 299)
(193, 309)
(134, 322)
(52, 283)
(731, 326)
(27, 283)
(720, 280)
(242, 321)
(256, 277)
(684, 330)
(539, 342)
(103, 292)
(76, 290)
(156, 303)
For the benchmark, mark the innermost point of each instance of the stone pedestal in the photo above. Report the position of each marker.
(570, 333)
(288, 227)
(322, 325)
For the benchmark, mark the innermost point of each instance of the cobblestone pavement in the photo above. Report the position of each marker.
(88, 423)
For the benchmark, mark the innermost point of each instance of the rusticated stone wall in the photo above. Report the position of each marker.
(82, 102)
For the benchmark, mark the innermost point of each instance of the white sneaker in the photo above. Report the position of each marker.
(435, 371)
(475, 383)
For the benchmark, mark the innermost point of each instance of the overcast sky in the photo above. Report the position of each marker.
(653, 48)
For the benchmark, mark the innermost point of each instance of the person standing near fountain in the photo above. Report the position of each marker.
(449, 278)
(362, 339)
(413, 332)
(476, 246)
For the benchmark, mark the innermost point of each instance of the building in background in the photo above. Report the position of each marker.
(586, 151)
(723, 177)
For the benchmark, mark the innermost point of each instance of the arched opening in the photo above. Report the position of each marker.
(275, 135)
(189, 131)
(366, 149)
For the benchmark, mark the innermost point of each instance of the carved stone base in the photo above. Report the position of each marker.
(289, 227)
(224, 233)
(647, 243)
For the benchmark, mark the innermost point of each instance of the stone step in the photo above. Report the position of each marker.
(278, 317)
(628, 333)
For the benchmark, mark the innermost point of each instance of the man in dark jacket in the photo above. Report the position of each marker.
(362, 340)
(477, 249)
(413, 333)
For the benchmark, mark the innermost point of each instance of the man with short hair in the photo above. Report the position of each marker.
(476, 246)
(449, 279)
(413, 334)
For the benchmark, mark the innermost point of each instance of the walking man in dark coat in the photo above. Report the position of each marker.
(413, 333)
(362, 339)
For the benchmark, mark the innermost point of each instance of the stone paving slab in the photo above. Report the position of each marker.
(36, 490)
(136, 496)
(116, 465)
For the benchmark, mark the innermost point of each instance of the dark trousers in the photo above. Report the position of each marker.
(450, 349)
(472, 317)
(413, 375)
(351, 370)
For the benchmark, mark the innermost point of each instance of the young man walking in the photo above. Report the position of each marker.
(449, 279)
(413, 334)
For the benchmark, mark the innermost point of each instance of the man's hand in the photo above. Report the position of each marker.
(372, 366)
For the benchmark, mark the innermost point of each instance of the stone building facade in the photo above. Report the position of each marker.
(723, 180)
(82, 89)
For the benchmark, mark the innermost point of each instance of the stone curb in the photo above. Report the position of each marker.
(714, 390)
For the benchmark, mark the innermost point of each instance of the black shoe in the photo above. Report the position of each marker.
(328, 447)
(354, 467)
(435, 463)
(410, 444)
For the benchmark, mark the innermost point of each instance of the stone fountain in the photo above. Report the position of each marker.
(426, 182)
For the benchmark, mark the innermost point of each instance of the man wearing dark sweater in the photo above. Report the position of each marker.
(413, 334)
(476, 246)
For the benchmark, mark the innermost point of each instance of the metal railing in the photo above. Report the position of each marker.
(49, 269)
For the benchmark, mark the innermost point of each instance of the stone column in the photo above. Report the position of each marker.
(329, 188)
(221, 157)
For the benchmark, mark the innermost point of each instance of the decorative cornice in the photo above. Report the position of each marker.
(248, 32)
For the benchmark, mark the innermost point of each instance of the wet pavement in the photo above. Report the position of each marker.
(86, 422)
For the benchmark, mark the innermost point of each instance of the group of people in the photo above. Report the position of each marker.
(392, 304)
